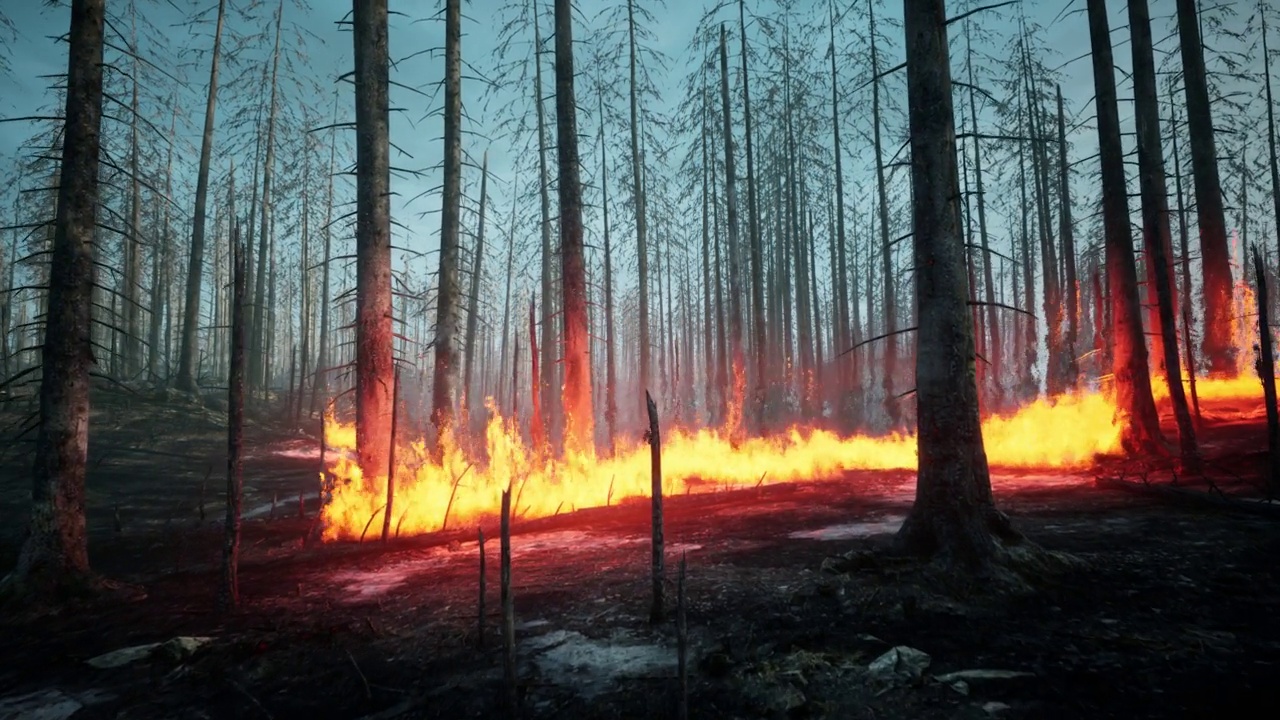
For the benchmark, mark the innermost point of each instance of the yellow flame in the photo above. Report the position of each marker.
(1062, 433)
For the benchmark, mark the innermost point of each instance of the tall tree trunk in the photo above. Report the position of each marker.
(1155, 218)
(954, 515)
(473, 299)
(1141, 431)
(1218, 349)
(133, 255)
(374, 337)
(258, 369)
(708, 350)
(189, 353)
(579, 420)
(1185, 255)
(737, 360)
(506, 312)
(229, 593)
(844, 335)
(547, 381)
(160, 267)
(610, 357)
(445, 380)
(890, 369)
(54, 559)
(320, 387)
(995, 350)
(642, 252)
(757, 251)
(1271, 127)
(1066, 229)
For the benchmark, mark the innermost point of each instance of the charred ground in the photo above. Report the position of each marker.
(1170, 612)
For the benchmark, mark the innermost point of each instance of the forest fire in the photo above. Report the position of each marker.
(432, 497)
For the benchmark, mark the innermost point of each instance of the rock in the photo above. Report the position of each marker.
(175, 650)
(900, 664)
(972, 676)
(994, 708)
(48, 704)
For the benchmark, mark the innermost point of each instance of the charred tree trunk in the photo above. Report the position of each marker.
(54, 559)
(610, 358)
(473, 300)
(954, 517)
(642, 252)
(1266, 366)
(373, 346)
(654, 436)
(189, 353)
(321, 384)
(229, 596)
(444, 381)
(1141, 431)
(1155, 219)
(995, 350)
(1219, 352)
(579, 420)
(733, 420)
(159, 272)
(547, 380)
(259, 371)
(1271, 128)
(890, 309)
(1071, 294)
(1184, 249)
(753, 211)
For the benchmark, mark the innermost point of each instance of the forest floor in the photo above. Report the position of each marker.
(792, 602)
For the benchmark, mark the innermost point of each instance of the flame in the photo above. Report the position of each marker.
(461, 489)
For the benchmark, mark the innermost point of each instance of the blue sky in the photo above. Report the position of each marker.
(34, 53)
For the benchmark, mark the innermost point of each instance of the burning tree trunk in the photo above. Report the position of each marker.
(229, 595)
(733, 418)
(508, 607)
(389, 508)
(1141, 432)
(188, 356)
(954, 516)
(537, 432)
(444, 381)
(579, 421)
(374, 361)
(1214, 257)
(1155, 218)
(54, 559)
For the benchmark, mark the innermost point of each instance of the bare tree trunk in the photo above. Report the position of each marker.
(160, 268)
(188, 355)
(444, 382)
(547, 380)
(737, 360)
(954, 516)
(579, 419)
(995, 351)
(375, 365)
(320, 387)
(1141, 431)
(506, 310)
(1155, 218)
(642, 252)
(1271, 127)
(473, 301)
(54, 559)
(610, 348)
(1071, 379)
(1218, 349)
(1184, 249)
(1266, 366)
(133, 243)
(890, 369)
(753, 210)
(229, 594)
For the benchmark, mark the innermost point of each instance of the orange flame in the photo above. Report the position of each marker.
(1065, 433)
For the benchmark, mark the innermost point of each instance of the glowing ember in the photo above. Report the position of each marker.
(1065, 433)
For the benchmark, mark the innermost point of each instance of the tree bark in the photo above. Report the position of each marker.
(733, 419)
(642, 253)
(610, 348)
(1215, 261)
(890, 368)
(579, 419)
(444, 381)
(189, 353)
(1071, 296)
(753, 211)
(473, 300)
(1141, 429)
(1155, 219)
(229, 594)
(547, 380)
(54, 559)
(373, 346)
(954, 515)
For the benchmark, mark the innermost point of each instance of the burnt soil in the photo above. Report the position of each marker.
(1171, 610)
